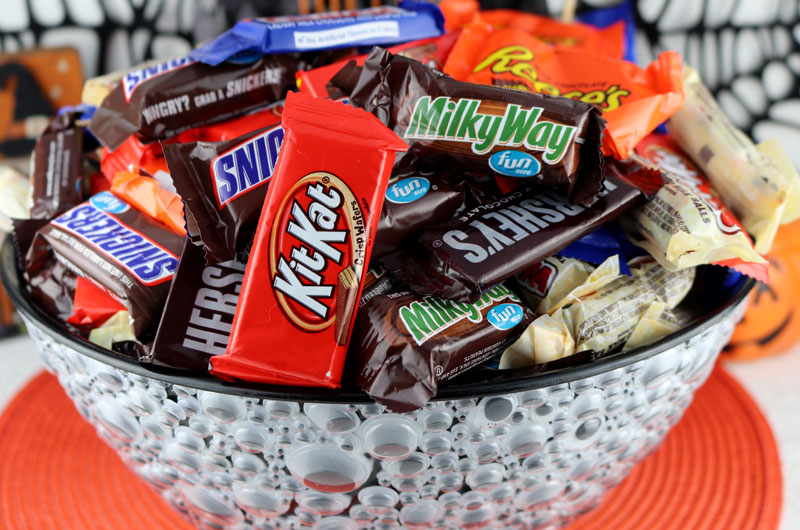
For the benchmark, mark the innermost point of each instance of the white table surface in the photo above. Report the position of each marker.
(773, 382)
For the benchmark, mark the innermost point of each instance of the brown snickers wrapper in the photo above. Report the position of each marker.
(56, 173)
(160, 101)
(223, 186)
(126, 253)
(479, 128)
(404, 344)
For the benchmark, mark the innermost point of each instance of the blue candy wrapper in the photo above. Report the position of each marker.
(410, 20)
(595, 247)
(609, 15)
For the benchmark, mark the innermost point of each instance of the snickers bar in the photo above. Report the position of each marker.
(123, 251)
(223, 185)
(160, 101)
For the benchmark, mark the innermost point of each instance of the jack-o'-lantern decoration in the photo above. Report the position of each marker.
(771, 324)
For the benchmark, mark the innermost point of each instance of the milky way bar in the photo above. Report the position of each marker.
(158, 102)
(483, 246)
(223, 185)
(479, 128)
(312, 246)
(121, 250)
(405, 344)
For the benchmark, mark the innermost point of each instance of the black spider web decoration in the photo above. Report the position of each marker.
(209, 20)
(728, 34)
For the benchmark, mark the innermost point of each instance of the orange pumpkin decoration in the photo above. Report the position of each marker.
(771, 324)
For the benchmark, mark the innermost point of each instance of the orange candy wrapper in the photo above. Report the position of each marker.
(144, 194)
(633, 101)
(608, 41)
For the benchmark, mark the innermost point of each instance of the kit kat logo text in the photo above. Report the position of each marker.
(246, 166)
(318, 232)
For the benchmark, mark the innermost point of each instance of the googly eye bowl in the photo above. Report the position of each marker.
(525, 451)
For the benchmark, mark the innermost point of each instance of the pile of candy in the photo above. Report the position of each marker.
(390, 225)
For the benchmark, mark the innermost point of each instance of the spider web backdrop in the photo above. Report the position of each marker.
(110, 34)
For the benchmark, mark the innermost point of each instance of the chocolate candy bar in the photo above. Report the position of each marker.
(160, 101)
(479, 128)
(546, 339)
(405, 344)
(198, 314)
(411, 204)
(409, 20)
(223, 185)
(483, 246)
(603, 313)
(319, 219)
(376, 281)
(106, 240)
(56, 171)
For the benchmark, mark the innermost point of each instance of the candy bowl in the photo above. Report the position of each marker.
(521, 452)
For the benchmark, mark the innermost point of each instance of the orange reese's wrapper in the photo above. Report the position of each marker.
(633, 101)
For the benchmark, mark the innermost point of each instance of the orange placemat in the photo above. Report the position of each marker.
(718, 469)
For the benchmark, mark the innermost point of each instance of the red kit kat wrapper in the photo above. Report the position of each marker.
(312, 246)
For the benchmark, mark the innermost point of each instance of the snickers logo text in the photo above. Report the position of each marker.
(133, 79)
(319, 231)
(246, 166)
(142, 257)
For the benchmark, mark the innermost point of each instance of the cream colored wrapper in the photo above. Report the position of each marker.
(605, 319)
(605, 273)
(747, 178)
(657, 322)
(550, 280)
(545, 339)
(680, 229)
(115, 329)
(15, 199)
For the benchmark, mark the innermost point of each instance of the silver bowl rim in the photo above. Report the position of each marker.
(10, 274)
